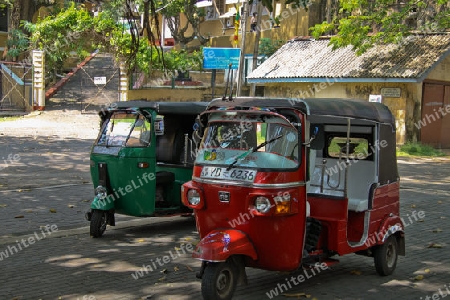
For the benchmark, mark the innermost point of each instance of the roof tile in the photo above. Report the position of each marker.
(309, 58)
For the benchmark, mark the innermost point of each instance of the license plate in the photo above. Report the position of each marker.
(233, 174)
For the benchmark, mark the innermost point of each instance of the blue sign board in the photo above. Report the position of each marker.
(221, 58)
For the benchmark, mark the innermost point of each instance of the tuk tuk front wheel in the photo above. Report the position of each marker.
(385, 256)
(219, 281)
(98, 223)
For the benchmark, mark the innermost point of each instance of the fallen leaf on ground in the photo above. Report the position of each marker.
(52, 210)
(162, 278)
(70, 206)
(85, 200)
(355, 272)
(297, 295)
(140, 240)
(164, 271)
(418, 277)
(439, 202)
(189, 268)
(434, 245)
(421, 220)
(19, 217)
(3, 205)
(427, 270)
(413, 206)
(442, 218)
(437, 230)
(176, 269)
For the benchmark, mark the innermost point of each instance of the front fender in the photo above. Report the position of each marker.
(104, 204)
(218, 245)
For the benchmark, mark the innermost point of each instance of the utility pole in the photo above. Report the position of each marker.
(240, 74)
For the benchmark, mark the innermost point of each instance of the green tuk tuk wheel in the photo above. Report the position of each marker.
(385, 256)
(219, 281)
(98, 223)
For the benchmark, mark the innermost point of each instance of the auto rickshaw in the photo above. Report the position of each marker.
(281, 184)
(141, 157)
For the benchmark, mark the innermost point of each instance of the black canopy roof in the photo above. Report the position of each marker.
(350, 108)
(181, 108)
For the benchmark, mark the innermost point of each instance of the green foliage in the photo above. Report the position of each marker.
(418, 149)
(17, 43)
(364, 23)
(60, 35)
(267, 46)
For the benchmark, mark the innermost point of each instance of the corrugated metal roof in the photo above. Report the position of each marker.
(301, 59)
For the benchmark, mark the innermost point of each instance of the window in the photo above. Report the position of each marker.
(4, 19)
(358, 147)
(125, 129)
(250, 141)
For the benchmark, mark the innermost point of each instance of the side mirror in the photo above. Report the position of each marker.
(159, 125)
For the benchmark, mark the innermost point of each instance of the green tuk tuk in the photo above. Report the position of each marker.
(140, 159)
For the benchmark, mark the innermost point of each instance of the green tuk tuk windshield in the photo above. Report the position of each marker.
(125, 129)
(249, 140)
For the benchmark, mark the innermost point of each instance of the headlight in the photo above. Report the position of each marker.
(193, 197)
(101, 192)
(262, 204)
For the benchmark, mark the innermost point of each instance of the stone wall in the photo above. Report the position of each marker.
(176, 94)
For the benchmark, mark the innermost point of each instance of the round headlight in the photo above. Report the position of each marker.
(262, 204)
(101, 192)
(193, 197)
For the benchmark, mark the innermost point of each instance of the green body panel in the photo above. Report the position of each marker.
(130, 191)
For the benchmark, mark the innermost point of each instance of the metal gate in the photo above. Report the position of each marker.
(15, 86)
(99, 83)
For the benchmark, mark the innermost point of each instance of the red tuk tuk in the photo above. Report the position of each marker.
(315, 177)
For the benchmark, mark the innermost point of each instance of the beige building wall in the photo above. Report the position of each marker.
(294, 22)
(441, 72)
(176, 94)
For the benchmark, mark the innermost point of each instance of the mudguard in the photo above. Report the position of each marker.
(392, 225)
(218, 245)
(102, 204)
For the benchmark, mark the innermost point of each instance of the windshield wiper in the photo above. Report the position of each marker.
(251, 150)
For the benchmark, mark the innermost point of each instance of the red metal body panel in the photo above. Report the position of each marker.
(343, 226)
(263, 231)
(218, 245)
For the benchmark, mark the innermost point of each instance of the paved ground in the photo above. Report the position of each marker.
(49, 184)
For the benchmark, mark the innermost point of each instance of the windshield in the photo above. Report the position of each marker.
(249, 140)
(125, 129)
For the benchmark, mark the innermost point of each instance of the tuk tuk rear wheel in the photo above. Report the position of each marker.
(98, 223)
(219, 281)
(386, 256)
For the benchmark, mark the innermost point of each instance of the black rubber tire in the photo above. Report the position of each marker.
(98, 223)
(313, 229)
(219, 281)
(385, 256)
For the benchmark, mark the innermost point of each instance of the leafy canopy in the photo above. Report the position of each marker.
(364, 23)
